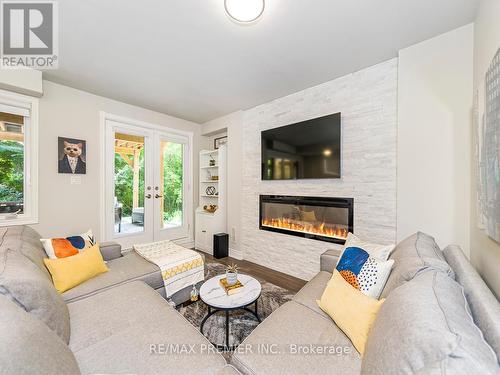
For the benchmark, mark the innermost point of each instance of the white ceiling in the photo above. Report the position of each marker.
(188, 59)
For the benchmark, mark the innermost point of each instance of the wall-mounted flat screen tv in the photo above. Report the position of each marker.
(305, 150)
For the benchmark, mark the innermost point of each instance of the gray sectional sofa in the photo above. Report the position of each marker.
(113, 326)
(123, 269)
(439, 317)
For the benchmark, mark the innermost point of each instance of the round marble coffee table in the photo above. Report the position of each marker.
(216, 299)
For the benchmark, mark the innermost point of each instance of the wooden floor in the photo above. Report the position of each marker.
(281, 279)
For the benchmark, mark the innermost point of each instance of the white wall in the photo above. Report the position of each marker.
(232, 126)
(434, 114)
(66, 209)
(485, 253)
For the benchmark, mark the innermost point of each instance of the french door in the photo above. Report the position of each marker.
(147, 184)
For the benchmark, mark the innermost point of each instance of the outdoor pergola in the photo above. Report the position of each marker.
(11, 127)
(129, 148)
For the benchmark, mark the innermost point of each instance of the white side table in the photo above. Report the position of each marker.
(216, 299)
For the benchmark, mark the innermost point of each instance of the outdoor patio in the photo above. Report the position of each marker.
(128, 227)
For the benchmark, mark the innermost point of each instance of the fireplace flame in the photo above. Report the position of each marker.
(321, 229)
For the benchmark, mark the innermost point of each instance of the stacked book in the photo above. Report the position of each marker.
(230, 289)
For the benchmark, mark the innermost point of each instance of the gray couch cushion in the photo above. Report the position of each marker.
(28, 346)
(130, 267)
(22, 281)
(329, 259)
(228, 370)
(413, 256)
(424, 327)
(26, 241)
(110, 250)
(405, 270)
(312, 291)
(419, 245)
(294, 324)
(484, 306)
(128, 329)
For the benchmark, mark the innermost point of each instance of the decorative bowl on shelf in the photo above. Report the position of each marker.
(211, 208)
(210, 190)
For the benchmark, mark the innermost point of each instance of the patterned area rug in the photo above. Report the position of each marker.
(241, 322)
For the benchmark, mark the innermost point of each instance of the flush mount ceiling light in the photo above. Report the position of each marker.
(244, 11)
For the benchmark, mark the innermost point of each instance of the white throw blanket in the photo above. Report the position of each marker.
(180, 267)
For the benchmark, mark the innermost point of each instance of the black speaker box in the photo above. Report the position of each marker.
(221, 245)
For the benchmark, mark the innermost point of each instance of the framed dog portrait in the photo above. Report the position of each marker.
(72, 155)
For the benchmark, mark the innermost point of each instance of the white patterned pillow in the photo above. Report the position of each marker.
(375, 250)
(69, 246)
(364, 272)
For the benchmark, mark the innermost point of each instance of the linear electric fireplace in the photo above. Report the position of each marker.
(324, 219)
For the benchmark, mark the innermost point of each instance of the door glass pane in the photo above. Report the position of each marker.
(129, 183)
(11, 163)
(171, 200)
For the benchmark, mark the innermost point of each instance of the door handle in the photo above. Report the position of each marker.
(158, 196)
(148, 196)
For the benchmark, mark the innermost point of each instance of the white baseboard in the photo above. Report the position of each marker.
(206, 251)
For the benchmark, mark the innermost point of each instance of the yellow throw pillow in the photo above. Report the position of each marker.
(74, 270)
(352, 311)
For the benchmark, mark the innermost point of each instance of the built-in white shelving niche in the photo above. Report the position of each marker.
(212, 177)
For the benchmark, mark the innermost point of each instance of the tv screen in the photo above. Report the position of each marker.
(308, 149)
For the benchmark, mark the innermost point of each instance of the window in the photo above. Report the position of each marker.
(18, 155)
(172, 184)
(129, 183)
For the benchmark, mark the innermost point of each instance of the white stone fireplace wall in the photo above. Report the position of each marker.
(368, 102)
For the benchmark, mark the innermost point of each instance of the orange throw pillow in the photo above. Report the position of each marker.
(63, 248)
